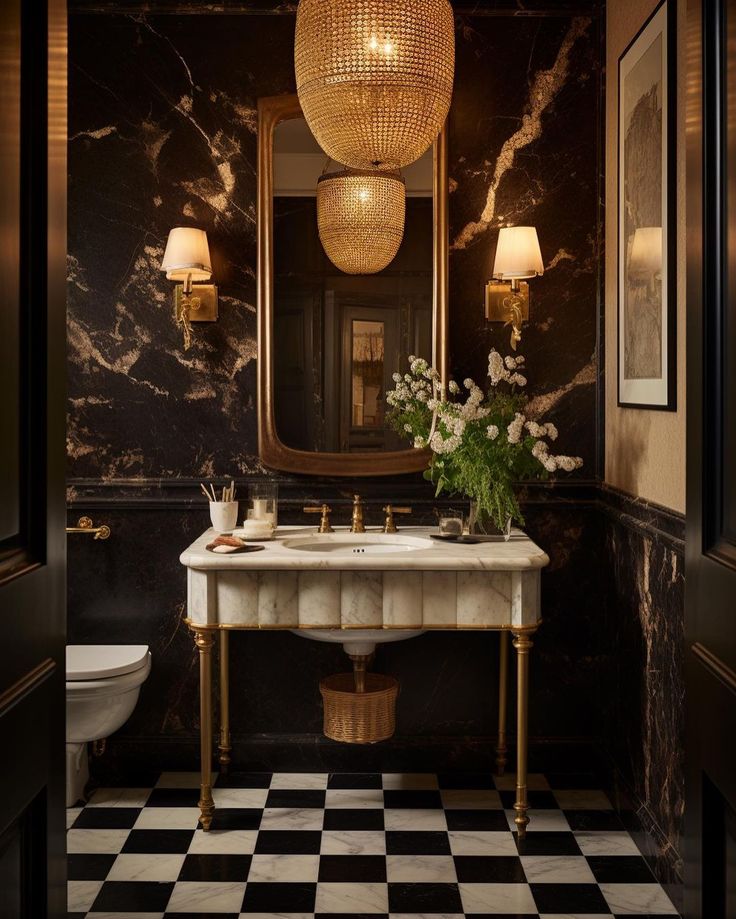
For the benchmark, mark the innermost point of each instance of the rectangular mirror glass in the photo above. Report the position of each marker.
(329, 342)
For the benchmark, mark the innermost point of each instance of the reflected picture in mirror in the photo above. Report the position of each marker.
(339, 337)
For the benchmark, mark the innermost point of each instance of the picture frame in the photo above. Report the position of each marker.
(647, 239)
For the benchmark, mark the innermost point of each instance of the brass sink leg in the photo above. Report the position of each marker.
(224, 746)
(204, 639)
(523, 645)
(503, 668)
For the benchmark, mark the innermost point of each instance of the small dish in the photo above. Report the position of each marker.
(231, 550)
(241, 535)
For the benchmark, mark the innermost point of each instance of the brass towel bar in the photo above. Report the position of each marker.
(84, 525)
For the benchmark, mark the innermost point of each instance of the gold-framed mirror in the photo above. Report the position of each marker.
(328, 342)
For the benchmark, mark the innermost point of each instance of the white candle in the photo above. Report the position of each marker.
(260, 506)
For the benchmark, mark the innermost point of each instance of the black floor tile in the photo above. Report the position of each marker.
(158, 842)
(288, 842)
(359, 818)
(88, 867)
(351, 916)
(244, 780)
(424, 898)
(594, 820)
(307, 797)
(279, 898)
(487, 869)
(538, 800)
(466, 780)
(343, 868)
(355, 780)
(417, 842)
(106, 818)
(173, 797)
(620, 869)
(132, 897)
(567, 780)
(547, 843)
(199, 916)
(569, 898)
(412, 799)
(488, 820)
(236, 818)
(215, 868)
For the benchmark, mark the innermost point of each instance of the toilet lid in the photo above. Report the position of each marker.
(96, 662)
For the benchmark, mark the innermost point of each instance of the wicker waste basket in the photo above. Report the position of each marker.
(359, 717)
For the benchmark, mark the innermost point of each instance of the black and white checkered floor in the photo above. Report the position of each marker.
(347, 845)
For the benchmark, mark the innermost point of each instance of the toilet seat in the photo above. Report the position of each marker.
(101, 662)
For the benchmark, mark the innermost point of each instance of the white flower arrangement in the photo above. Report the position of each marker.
(480, 446)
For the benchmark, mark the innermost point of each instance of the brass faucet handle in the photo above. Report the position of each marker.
(324, 523)
(389, 510)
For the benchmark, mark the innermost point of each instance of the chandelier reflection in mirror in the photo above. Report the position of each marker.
(360, 218)
(374, 77)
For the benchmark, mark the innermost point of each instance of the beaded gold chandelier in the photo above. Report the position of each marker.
(374, 77)
(360, 217)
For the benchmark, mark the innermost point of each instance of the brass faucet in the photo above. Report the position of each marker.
(389, 525)
(324, 523)
(357, 525)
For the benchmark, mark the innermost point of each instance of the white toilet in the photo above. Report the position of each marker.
(102, 686)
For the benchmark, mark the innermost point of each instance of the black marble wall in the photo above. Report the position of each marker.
(163, 131)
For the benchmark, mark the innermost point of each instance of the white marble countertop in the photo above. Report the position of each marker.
(520, 553)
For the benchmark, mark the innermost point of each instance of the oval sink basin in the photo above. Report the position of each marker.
(337, 544)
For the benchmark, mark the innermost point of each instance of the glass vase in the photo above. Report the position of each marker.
(481, 524)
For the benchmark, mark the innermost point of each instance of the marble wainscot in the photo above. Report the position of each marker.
(364, 587)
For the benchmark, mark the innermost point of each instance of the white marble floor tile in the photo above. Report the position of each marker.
(119, 797)
(206, 897)
(633, 899)
(181, 780)
(535, 782)
(410, 781)
(462, 799)
(239, 797)
(102, 842)
(354, 798)
(542, 820)
(557, 869)
(292, 818)
(148, 867)
(123, 916)
(479, 842)
(593, 842)
(353, 842)
(414, 819)
(420, 869)
(352, 898)
(223, 842)
(497, 898)
(80, 895)
(167, 818)
(277, 868)
(582, 799)
(301, 780)
(71, 815)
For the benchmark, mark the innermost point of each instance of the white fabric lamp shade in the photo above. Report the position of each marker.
(517, 254)
(645, 259)
(187, 255)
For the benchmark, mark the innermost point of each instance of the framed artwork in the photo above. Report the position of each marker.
(647, 285)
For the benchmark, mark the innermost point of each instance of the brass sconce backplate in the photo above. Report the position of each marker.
(207, 294)
(497, 300)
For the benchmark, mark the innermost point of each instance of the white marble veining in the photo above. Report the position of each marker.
(436, 585)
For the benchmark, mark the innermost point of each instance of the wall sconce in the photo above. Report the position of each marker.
(187, 259)
(517, 256)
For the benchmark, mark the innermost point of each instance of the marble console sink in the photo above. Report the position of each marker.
(303, 580)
